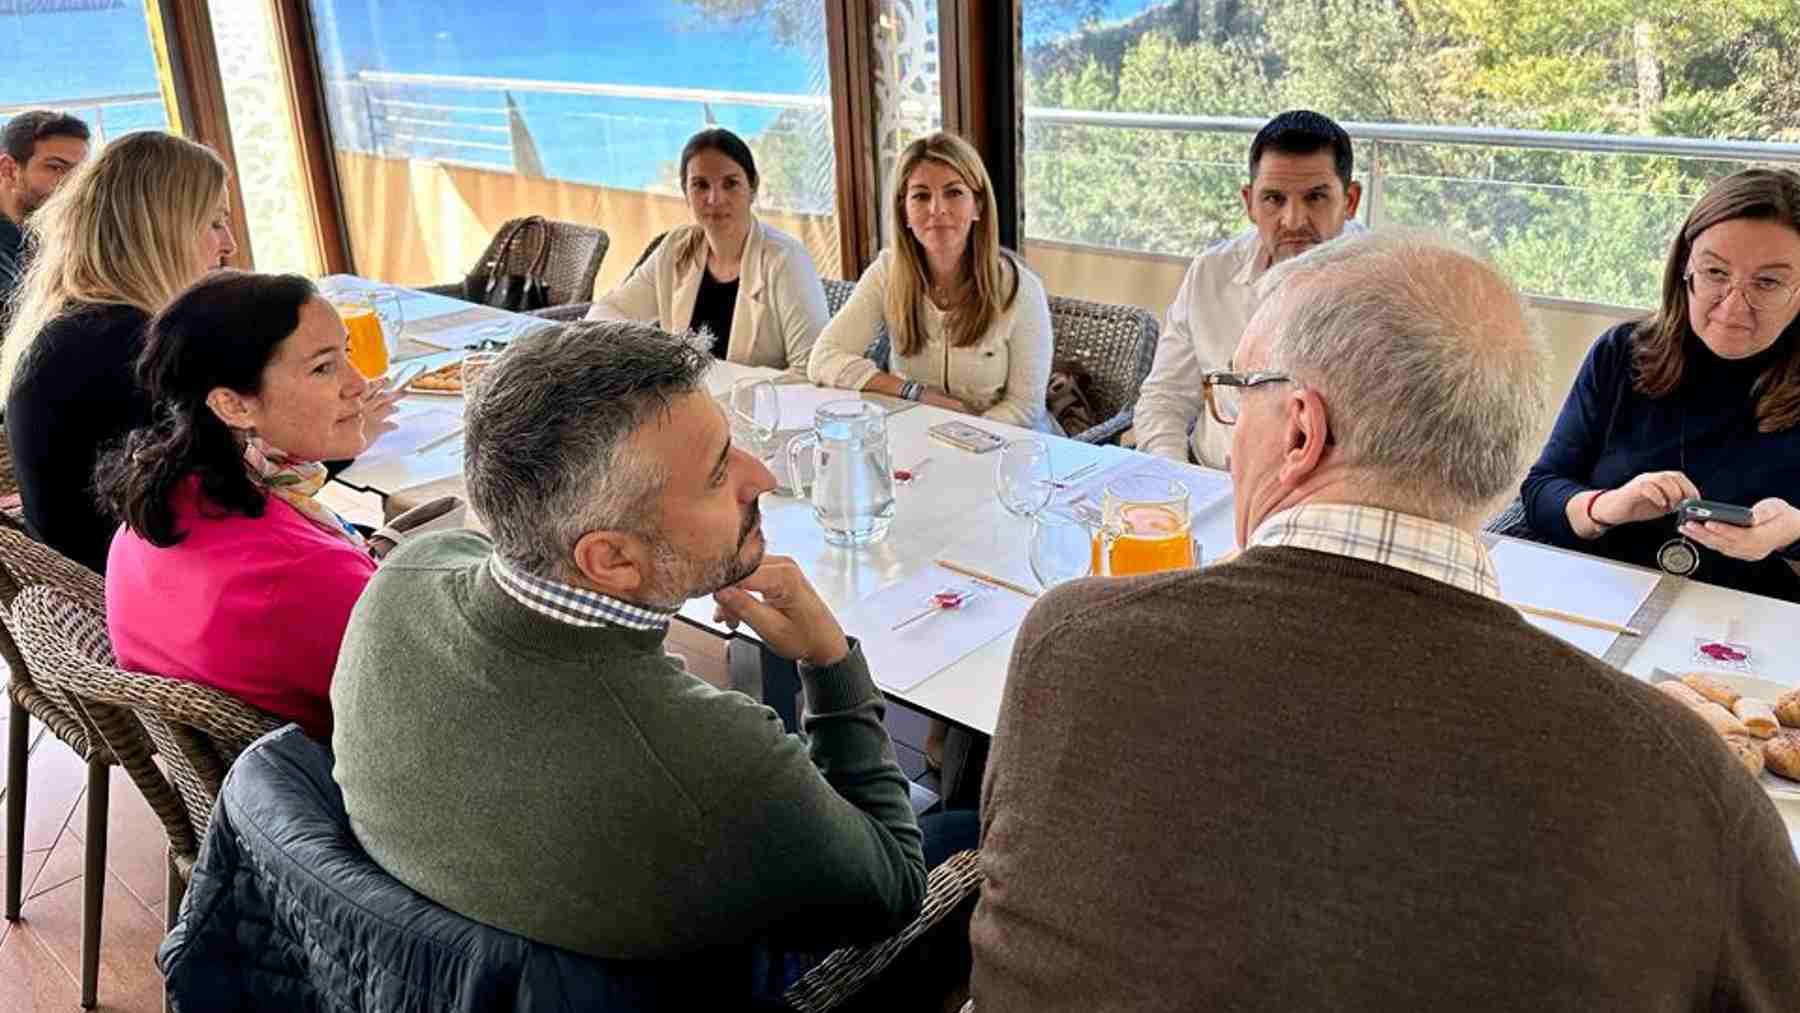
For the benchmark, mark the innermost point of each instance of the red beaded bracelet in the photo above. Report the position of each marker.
(1589, 510)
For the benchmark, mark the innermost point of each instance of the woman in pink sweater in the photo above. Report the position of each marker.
(227, 571)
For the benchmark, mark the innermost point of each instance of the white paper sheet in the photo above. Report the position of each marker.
(418, 426)
(901, 659)
(1551, 578)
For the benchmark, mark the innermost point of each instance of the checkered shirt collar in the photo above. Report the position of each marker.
(1414, 544)
(574, 605)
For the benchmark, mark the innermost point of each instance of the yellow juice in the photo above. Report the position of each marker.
(1153, 539)
(368, 351)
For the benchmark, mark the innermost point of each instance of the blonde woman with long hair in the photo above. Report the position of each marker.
(133, 228)
(970, 325)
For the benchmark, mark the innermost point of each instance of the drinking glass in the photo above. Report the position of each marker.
(366, 345)
(1144, 528)
(1022, 476)
(391, 311)
(1061, 548)
(756, 406)
(474, 365)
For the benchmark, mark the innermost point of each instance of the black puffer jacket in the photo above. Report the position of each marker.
(286, 911)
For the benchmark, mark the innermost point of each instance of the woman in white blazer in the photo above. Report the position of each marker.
(752, 288)
(970, 325)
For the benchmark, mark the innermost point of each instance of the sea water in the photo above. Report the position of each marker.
(853, 490)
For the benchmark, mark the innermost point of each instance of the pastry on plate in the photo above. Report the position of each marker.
(1757, 715)
(1783, 754)
(445, 379)
(1712, 689)
(1787, 709)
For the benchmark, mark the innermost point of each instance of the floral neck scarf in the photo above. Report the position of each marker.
(296, 482)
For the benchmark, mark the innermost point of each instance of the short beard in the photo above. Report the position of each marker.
(678, 579)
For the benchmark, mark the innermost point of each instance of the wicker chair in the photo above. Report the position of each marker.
(24, 564)
(1512, 523)
(837, 293)
(950, 890)
(1117, 345)
(575, 255)
(198, 730)
(12, 509)
(577, 311)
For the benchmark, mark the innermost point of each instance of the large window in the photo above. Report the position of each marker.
(1560, 136)
(451, 117)
(262, 138)
(908, 100)
(93, 59)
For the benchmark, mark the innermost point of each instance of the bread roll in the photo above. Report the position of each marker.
(1787, 708)
(1783, 754)
(1748, 751)
(1722, 720)
(1712, 689)
(1683, 692)
(1757, 715)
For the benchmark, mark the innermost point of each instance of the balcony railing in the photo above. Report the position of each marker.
(1592, 236)
(1590, 232)
(616, 135)
(130, 111)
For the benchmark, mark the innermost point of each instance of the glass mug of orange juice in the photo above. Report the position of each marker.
(1144, 528)
(368, 317)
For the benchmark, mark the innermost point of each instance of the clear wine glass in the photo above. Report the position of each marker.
(1062, 548)
(1022, 476)
(757, 407)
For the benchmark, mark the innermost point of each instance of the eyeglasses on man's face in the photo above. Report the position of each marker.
(1714, 284)
(1225, 390)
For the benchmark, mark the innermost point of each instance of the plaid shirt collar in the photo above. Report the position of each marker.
(574, 605)
(1403, 541)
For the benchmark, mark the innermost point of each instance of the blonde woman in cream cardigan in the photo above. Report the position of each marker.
(751, 287)
(969, 323)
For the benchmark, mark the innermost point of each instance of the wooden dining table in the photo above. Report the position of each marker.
(949, 511)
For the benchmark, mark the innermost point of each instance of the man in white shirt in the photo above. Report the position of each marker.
(1300, 195)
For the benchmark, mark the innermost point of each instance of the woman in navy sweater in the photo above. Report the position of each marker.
(1700, 400)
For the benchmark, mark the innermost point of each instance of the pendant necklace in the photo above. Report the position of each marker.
(1678, 556)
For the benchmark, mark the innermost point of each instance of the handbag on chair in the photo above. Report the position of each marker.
(490, 285)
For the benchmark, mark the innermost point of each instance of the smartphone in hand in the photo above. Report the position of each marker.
(1707, 510)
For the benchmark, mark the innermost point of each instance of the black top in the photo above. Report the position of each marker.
(73, 396)
(1608, 434)
(713, 307)
(12, 260)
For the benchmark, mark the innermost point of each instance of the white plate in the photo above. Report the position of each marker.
(1761, 689)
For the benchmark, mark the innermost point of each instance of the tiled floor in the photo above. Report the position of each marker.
(40, 954)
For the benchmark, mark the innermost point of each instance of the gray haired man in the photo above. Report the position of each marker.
(514, 742)
(1342, 773)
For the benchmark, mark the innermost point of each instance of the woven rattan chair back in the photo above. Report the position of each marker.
(1115, 343)
(198, 730)
(24, 563)
(575, 255)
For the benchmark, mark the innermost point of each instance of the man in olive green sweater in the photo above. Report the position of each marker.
(514, 742)
(1341, 773)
